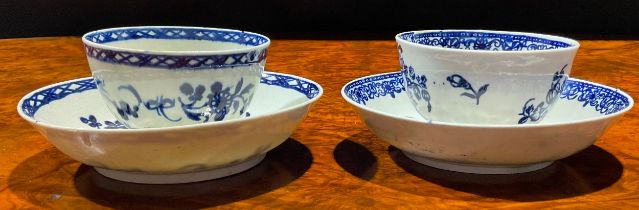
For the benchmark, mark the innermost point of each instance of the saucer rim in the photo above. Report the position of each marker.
(473, 125)
(35, 122)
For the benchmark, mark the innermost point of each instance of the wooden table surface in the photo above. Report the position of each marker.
(332, 160)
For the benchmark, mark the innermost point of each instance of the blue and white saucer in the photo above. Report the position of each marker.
(582, 114)
(73, 117)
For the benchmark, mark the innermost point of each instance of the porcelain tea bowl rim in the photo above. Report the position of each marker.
(574, 44)
(246, 48)
(166, 129)
(470, 125)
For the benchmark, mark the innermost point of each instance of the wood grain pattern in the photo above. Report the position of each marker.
(332, 160)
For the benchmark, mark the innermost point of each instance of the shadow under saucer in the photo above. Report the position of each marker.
(281, 166)
(588, 171)
(44, 180)
(367, 157)
(355, 159)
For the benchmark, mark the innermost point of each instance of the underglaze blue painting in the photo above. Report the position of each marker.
(416, 85)
(219, 102)
(41, 98)
(194, 103)
(457, 81)
(93, 122)
(190, 62)
(471, 40)
(531, 112)
(604, 100)
(364, 90)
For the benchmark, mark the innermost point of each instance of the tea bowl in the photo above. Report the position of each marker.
(484, 77)
(72, 117)
(161, 76)
(584, 110)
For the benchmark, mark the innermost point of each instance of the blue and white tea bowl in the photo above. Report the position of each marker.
(583, 111)
(72, 117)
(484, 77)
(169, 76)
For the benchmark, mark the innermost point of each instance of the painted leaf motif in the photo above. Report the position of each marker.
(193, 116)
(198, 93)
(238, 87)
(216, 87)
(235, 106)
(529, 109)
(425, 95)
(482, 90)
(152, 104)
(186, 88)
(167, 103)
(469, 95)
(523, 120)
(247, 89)
(220, 115)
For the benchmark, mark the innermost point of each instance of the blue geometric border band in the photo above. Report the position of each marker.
(474, 40)
(176, 61)
(239, 37)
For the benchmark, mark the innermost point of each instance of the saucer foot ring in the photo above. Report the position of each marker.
(476, 168)
(148, 178)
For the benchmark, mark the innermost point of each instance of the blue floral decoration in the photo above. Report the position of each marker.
(532, 112)
(38, 99)
(457, 81)
(35, 101)
(416, 84)
(604, 100)
(474, 40)
(114, 125)
(217, 104)
(364, 90)
(92, 121)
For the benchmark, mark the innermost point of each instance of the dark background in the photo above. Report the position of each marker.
(327, 19)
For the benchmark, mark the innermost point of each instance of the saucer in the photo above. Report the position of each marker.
(581, 115)
(72, 116)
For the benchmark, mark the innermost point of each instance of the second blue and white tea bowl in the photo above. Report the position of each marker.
(484, 77)
(161, 76)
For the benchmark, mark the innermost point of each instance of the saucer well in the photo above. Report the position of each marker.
(73, 117)
(581, 115)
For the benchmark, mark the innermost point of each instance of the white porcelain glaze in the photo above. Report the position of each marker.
(484, 77)
(147, 75)
(62, 113)
(581, 115)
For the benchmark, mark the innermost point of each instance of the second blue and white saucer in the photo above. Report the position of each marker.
(73, 117)
(582, 114)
